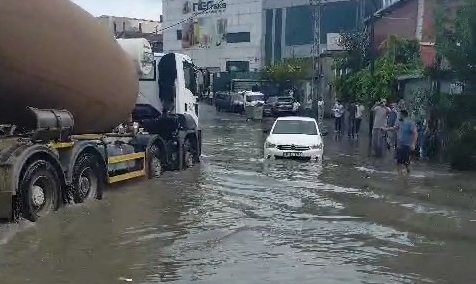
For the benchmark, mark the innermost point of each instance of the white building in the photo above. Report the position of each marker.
(122, 24)
(221, 35)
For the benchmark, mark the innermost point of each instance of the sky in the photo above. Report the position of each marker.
(143, 9)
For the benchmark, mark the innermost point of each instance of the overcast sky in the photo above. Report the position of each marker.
(144, 9)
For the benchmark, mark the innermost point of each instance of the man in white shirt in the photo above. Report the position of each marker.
(338, 111)
(358, 117)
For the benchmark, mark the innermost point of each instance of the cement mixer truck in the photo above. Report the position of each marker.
(80, 109)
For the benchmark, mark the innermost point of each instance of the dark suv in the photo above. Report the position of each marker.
(283, 106)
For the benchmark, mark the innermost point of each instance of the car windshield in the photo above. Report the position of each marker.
(285, 100)
(251, 98)
(295, 127)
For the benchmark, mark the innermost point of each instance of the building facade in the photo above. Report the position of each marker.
(221, 35)
(122, 27)
(289, 25)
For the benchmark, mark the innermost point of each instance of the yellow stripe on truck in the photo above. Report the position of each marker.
(127, 176)
(125, 158)
(61, 145)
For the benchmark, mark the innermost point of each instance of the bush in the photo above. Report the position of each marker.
(463, 148)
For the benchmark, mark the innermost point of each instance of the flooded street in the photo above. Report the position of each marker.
(238, 219)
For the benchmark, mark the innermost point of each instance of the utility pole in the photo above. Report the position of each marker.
(316, 52)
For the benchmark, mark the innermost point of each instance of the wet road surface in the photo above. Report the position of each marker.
(238, 219)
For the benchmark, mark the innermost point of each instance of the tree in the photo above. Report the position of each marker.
(290, 70)
(399, 57)
(456, 41)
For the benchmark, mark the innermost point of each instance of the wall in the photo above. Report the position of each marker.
(402, 22)
(230, 33)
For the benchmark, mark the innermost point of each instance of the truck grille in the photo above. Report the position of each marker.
(293, 148)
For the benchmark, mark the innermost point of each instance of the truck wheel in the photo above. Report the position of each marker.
(88, 182)
(187, 155)
(154, 165)
(40, 190)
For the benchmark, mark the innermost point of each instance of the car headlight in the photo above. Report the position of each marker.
(269, 145)
(317, 146)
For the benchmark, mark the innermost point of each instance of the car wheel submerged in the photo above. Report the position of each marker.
(40, 190)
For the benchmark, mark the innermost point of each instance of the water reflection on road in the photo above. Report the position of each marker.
(239, 219)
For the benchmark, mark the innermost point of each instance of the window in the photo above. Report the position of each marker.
(295, 127)
(190, 79)
(238, 37)
(140, 27)
(151, 76)
(237, 66)
(179, 34)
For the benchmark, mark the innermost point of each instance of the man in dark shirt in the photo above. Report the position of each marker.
(407, 138)
(391, 122)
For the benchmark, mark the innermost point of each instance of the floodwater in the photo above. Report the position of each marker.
(238, 219)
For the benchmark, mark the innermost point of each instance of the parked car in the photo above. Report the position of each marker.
(237, 103)
(269, 106)
(294, 137)
(222, 101)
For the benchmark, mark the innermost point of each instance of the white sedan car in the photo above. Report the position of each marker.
(294, 137)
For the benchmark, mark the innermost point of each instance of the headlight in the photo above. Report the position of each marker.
(317, 146)
(269, 145)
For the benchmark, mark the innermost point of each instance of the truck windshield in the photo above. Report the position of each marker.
(285, 100)
(295, 127)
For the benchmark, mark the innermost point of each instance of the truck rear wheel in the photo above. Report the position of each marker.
(154, 164)
(88, 181)
(188, 157)
(40, 190)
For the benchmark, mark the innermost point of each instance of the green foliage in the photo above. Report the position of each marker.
(456, 41)
(462, 150)
(400, 57)
(290, 70)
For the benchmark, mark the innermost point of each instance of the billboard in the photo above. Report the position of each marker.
(204, 32)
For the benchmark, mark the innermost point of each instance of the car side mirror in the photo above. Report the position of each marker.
(266, 131)
(324, 133)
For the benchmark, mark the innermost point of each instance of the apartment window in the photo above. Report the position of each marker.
(238, 37)
(179, 34)
(238, 66)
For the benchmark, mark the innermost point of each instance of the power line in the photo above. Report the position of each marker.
(190, 18)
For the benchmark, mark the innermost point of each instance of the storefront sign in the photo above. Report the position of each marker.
(204, 6)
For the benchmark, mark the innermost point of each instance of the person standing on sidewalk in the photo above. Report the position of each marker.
(338, 111)
(407, 139)
(391, 122)
(359, 111)
(380, 124)
(352, 109)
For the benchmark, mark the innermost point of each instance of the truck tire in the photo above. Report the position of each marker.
(154, 164)
(40, 190)
(188, 157)
(88, 178)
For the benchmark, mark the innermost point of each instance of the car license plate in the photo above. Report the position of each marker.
(292, 154)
